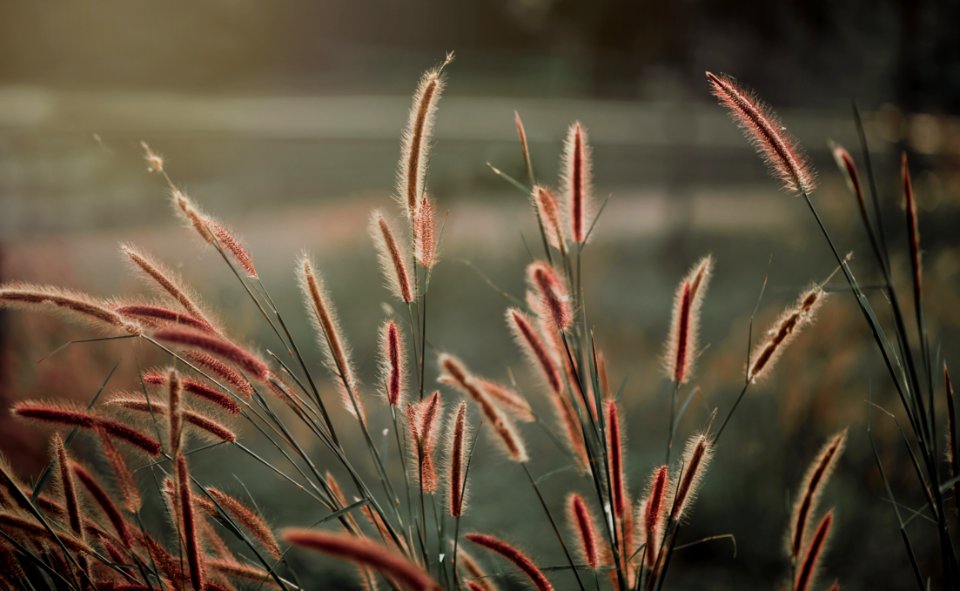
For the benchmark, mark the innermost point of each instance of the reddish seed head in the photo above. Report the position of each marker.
(766, 133)
(531, 344)
(392, 363)
(103, 499)
(393, 261)
(424, 419)
(811, 490)
(158, 316)
(188, 522)
(73, 415)
(655, 513)
(508, 399)
(163, 278)
(548, 212)
(425, 234)
(584, 526)
(554, 298)
(217, 346)
(849, 168)
(681, 350)
(221, 371)
(75, 305)
(696, 458)
(364, 552)
(807, 570)
(457, 461)
(576, 180)
(518, 558)
(232, 245)
(615, 457)
(415, 144)
(248, 519)
(763, 358)
(913, 229)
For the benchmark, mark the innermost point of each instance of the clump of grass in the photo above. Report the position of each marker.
(388, 526)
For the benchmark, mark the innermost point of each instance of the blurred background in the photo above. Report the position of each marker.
(283, 120)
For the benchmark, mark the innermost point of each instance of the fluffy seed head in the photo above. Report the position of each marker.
(364, 552)
(220, 371)
(458, 432)
(71, 414)
(424, 418)
(811, 490)
(217, 346)
(655, 513)
(553, 294)
(392, 363)
(74, 305)
(514, 555)
(548, 212)
(696, 458)
(784, 330)
(229, 242)
(425, 234)
(576, 167)
(154, 160)
(531, 344)
(188, 522)
(249, 519)
(415, 143)
(192, 215)
(681, 349)
(508, 399)
(103, 500)
(455, 374)
(164, 280)
(766, 133)
(584, 526)
(849, 169)
(618, 486)
(330, 337)
(198, 389)
(807, 570)
(392, 258)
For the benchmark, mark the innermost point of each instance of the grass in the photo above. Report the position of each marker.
(380, 476)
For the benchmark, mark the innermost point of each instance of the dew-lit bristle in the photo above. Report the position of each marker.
(365, 552)
(696, 458)
(576, 167)
(393, 260)
(233, 247)
(806, 571)
(811, 490)
(73, 304)
(249, 519)
(425, 234)
(584, 526)
(393, 361)
(330, 337)
(218, 347)
(534, 348)
(784, 330)
(682, 346)
(458, 432)
(654, 514)
(192, 549)
(549, 214)
(849, 168)
(553, 294)
(514, 555)
(766, 133)
(456, 375)
(174, 409)
(417, 136)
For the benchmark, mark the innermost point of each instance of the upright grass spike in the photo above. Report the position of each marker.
(807, 569)
(576, 167)
(693, 465)
(424, 418)
(192, 215)
(132, 500)
(188, 517)
(766, 133)
(784, 330)
(415, 145)
(208, 426)
(456, 375)
(682, 347)
(531, 344)
(524, 147)
(618, 486)
(518, 558)
(365, 552)
(425, 234)
(393, 259)
(393, 362)
(812, 488)
(330, 337)
(508, 399)
(584, 526)
(549, 214)
(104, 501)
(70, 499)
(174, 411)
(232, 245)
(654, 514)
